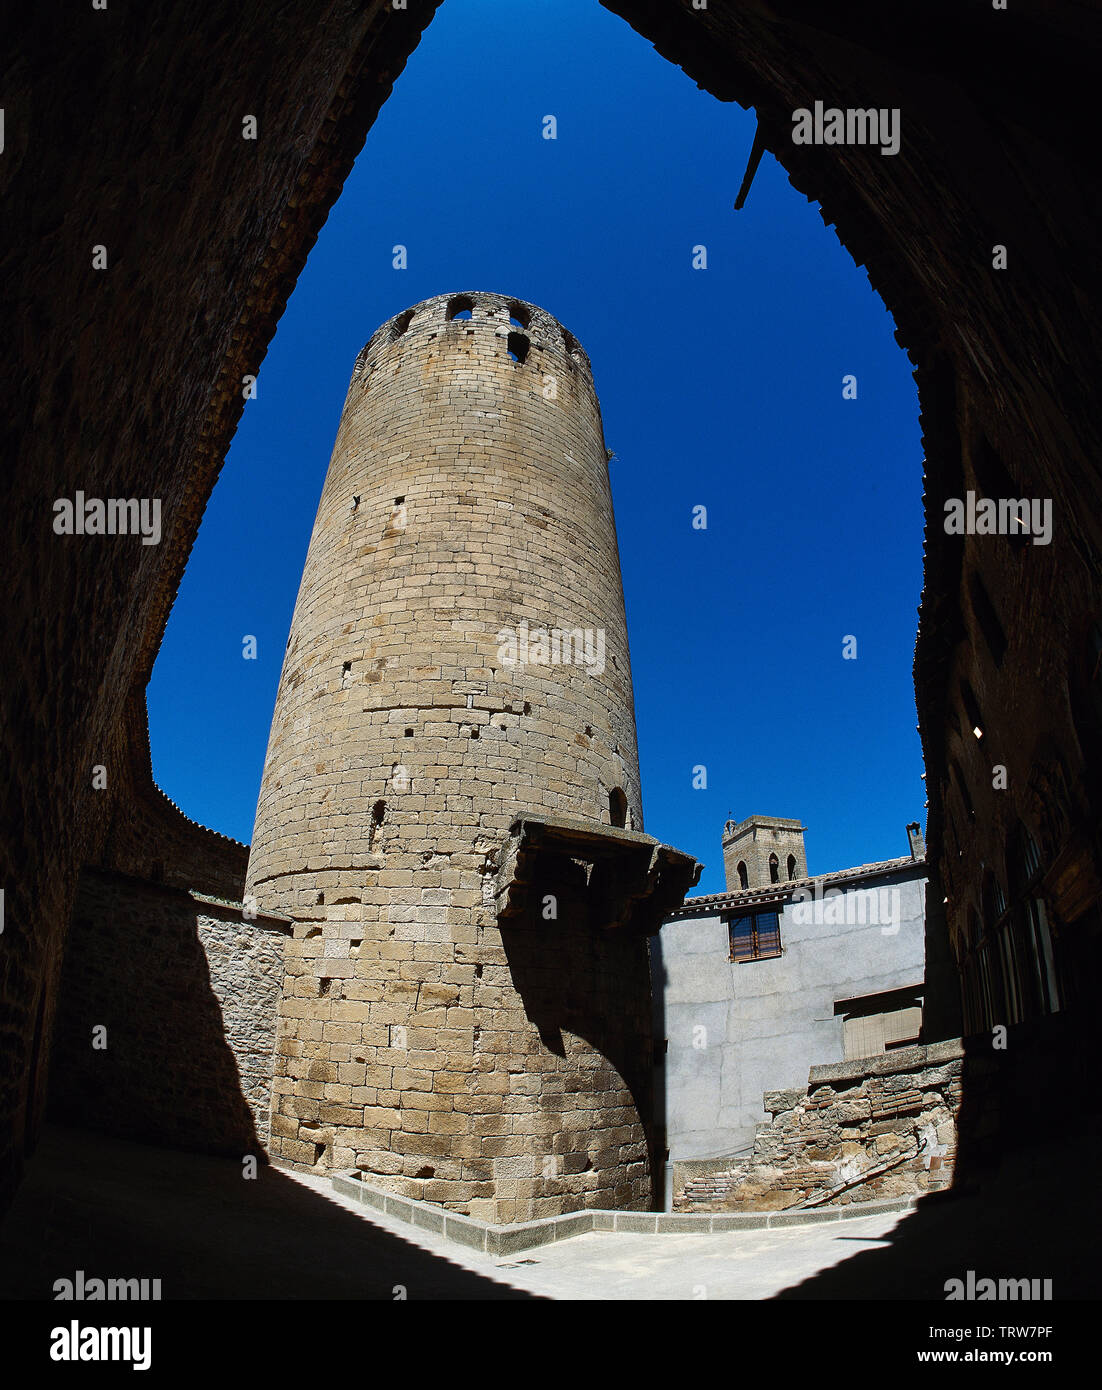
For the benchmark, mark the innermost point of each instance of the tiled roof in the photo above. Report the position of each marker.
(780, 892)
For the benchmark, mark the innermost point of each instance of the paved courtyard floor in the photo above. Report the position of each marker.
(120, 1210)
(609, 1265)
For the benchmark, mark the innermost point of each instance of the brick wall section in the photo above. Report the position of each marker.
(188, 992)
(402, 748)
(892, 1118)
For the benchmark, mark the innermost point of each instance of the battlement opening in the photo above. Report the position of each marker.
(518, 346)
(461, 307)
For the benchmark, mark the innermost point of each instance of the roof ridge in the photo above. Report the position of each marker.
(778, 890)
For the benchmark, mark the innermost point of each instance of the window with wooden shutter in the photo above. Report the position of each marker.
(767, 927)
(741, 931)
(754, 936)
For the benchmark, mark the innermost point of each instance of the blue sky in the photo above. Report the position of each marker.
(719, 387)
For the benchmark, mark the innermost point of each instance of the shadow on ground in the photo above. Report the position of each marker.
(121, 1210)
(1037, 1217)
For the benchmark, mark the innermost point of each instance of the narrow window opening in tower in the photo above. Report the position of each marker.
(396, 523)
(774, 869)
(519, 316)
(617, 808)
(518, 347)
(474, 732)
(319, 1153)
(971, 709)
(378, 811)
(409, 733)
(459, 308)
(527, 708)
(743, 876)
(987, 618)
(992, 475)
(957, 777)
(325, 984)
(791, 866)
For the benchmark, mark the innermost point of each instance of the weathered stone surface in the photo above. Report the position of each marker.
(776, 1101)
(427, 792)
(893, 1134)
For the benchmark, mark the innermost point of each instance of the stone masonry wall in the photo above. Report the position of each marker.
(875, 1127)
(188, 991)
(467, 494)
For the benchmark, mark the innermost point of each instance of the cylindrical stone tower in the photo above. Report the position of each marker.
(466, 1011)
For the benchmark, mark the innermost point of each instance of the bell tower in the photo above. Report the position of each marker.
(762, 850)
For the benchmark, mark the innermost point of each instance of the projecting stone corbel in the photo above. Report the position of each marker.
(629, 880)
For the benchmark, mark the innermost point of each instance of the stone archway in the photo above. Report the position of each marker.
(135, 370)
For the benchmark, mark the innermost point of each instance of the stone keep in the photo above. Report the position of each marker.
(450, 808)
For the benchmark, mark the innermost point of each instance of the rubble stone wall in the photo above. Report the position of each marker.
(872, 1128)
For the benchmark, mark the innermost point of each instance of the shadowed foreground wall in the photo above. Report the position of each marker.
(187, 992)
(122, 128)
